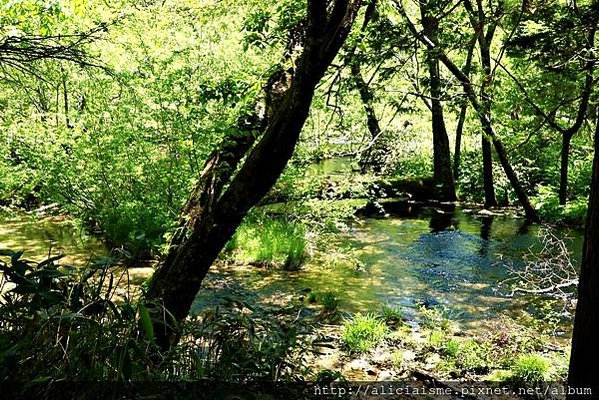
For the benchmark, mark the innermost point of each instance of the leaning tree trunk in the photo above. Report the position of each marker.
(177, 281)
(488, 130)
(372, 156)
(584, 364)
(442, 173)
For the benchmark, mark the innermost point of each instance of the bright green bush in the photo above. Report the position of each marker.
(363, 332)
(531, 369)
(265, 241)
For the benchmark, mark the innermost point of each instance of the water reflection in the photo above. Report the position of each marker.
(41, 238)
(419, 255)
(442, 220)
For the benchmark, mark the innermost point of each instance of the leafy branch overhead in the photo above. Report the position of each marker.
(21, 51)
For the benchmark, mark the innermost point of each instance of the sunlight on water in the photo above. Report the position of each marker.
(42, 237)
(454, 262)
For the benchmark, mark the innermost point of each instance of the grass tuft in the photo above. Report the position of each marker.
(261, 240)
(531, 369)
(363, 332)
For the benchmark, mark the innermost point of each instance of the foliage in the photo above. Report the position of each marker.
(391, 315)
(363, 332)
(547, 203)
(120, 146)
(473, 356)
(531, 369)
(435, 318)
(71, 320)
(462, 356)
(330, 302)
(60, 322)
(121, 150)
(262, 240)
(235, 346)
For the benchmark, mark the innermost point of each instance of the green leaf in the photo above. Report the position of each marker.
(146, 321)
(50, 260)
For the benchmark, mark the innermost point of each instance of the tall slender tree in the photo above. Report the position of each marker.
(372, 156)
(485, 122)
(442, 172)
(484, 28)
(567, 47)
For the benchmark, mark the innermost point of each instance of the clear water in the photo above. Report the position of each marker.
(39, 238)
(417, 256)
(421, 256)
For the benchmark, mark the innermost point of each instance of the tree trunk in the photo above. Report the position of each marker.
(462, 117)
(488, 185)
(531, 214)
(488, 182)
(484, 45)
(563, 177)
(373, 155)
(177, 280)
(458, 140)
(584, 365)
(515, 182)
(587, 89)
(442, 173)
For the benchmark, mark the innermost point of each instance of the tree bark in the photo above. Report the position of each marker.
(584, 365)
(457, 153)
(530, 212)
(488, 185)
(490, 199)
(563, 176)
(462, 116)
(442, 172)
(372, 156)
(177, 280)
(567, 134)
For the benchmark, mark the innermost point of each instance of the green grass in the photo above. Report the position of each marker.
(330, 302)
(462, 356)
(363, 332)
(391, 315)
(452, 348)
(436, 339)
(397, 359)
(270, 242)
(531, 369)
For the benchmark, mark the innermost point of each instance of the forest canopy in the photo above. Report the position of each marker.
(193, 134)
